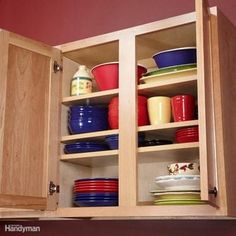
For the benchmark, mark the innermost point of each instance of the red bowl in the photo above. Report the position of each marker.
(107, 75)
(113, 112)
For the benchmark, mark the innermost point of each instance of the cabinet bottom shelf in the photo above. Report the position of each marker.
(144, 211)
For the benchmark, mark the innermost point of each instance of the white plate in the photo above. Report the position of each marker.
(179, 184)
(176, 177)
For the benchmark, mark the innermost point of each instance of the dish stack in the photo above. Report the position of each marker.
(176, 62)
(185, 135)
(180, 187)
(79, 147)
(87, 118)
(93, 192)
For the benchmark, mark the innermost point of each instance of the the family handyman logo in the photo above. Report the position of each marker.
(21, 228)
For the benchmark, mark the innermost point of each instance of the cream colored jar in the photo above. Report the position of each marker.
(81, 82)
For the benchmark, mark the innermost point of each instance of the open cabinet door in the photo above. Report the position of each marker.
(29, 123)
(207, 138)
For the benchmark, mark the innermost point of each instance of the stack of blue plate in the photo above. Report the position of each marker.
(95, 199)
(79, 147)
(113, 140)
(83, 119)
(93, 192)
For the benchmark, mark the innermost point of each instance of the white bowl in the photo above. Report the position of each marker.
(186, 168)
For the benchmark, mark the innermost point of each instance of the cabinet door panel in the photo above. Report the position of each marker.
(206, 111)
(26, 123)
(26, 146)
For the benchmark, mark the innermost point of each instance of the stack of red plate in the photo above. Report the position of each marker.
(96, 192)
(186, 135)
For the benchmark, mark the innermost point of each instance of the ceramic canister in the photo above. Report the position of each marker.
(159, 110)
(81, 82)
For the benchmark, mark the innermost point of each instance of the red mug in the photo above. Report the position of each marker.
(183, 107)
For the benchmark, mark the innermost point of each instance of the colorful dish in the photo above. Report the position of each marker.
(179, 182)
(157, 76)
(171, 69)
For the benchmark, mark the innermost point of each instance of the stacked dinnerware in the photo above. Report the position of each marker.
(189, 134)
(79, 147)
(180, 187)
(87, 118)
(113, 140)
(93, 192)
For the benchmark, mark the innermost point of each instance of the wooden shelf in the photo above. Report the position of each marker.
(101, 97)
(170, 151)
(166, 130)
(170, 87)
(101, 158)
(88, 136)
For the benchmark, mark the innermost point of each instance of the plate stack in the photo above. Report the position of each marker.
(177, 189)
(79, 147)
(180, 187)
(93, 192)
(185, 135)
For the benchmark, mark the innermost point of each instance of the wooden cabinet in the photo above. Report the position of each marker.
(33, 120)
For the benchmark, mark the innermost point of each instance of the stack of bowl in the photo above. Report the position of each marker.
(107, 75)
(92, 192)
(83, 119)
(113, 112)
(185, 135)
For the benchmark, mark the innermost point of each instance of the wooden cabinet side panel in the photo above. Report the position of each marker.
(227, 99)
(26, 116)
(3, 87)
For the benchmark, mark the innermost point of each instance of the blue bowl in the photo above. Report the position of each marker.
(87, 124)
(83, 119)
(174, 57)
(87, 109)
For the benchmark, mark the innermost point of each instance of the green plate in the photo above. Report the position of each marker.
(179, 202)
(179, 197)
(171, 69)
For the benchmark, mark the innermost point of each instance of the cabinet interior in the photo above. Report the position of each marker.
(151, 161)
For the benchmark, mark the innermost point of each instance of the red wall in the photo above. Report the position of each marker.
(58, 21)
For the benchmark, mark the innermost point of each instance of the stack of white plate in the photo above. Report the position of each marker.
(177, 190)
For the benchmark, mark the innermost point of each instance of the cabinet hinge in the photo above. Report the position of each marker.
(57, 67)
(53, 188)
(213, 191)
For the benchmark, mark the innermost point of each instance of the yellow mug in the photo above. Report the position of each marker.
(159, 110)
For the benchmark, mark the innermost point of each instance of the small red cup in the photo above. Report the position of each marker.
(183, 107)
